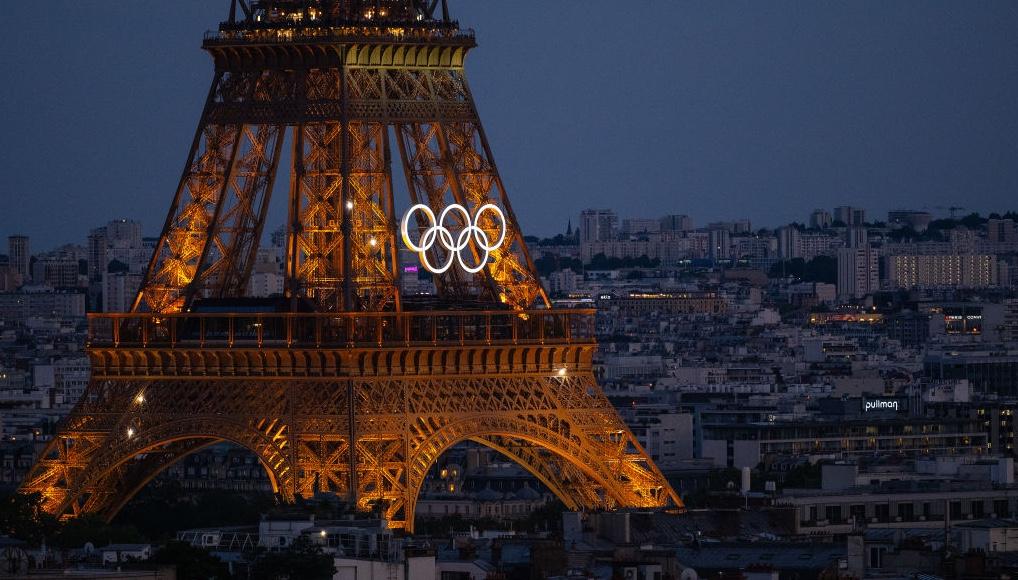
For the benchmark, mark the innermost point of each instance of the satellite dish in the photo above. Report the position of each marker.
(689, 574)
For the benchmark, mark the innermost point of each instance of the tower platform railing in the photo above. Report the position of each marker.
(360, 33)
(341, 329)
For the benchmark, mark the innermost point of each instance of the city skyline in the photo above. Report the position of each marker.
(730, 106)
(41, 246)
(778, 338)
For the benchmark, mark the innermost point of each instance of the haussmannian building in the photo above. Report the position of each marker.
(636, 305)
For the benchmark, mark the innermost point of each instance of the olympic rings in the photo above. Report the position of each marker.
(438, 233)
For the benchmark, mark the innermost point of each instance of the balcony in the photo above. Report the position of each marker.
(340, 330)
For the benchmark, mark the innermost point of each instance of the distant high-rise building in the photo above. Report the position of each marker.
(856, 237)
(119, 290)
(414, 280)
(1001, 231)
(123, 232)
(754, 247)
(858, 272)
(633, 226)
(119, 241)
(597, 225)
(56, 271)
(96, 255)
(677, 223)
(850, 216)
(788, 243)
(8, 279)
(820, 218)
(941, 271)
(917, 220)
(20, 256)
(720, 244)
(278, 237)
(736, 227)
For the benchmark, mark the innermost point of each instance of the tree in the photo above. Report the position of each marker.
(302, 561)
(544, 518)
(162, 508)
(602, 262)
(192, 563)
(973, 221)
(548, 264)
(92, 528)
(819, 269)
(806, 475)
(116, 267)
(22, 517)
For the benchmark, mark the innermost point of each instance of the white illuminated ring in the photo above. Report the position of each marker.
(438, 233)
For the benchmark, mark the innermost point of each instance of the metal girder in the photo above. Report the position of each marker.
(560, 428)
(342, 246)
(324, 200)
(210, 239)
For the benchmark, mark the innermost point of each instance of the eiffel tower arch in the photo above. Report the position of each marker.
(342, 385)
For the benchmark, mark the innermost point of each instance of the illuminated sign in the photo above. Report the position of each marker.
(881, 405)
(437, 232)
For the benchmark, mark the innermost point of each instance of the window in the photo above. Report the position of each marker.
(1000, 508)
(832, 514)
(977, 508)
(883, 512)
(877, 557)
(906, 511)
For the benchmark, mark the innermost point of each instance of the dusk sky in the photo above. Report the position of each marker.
(722, 110)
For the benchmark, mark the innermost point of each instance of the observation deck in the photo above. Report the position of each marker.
(341, 330)
(324, 345)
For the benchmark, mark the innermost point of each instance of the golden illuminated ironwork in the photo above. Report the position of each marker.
(361, 396)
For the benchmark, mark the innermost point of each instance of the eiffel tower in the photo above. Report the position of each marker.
(342, 385)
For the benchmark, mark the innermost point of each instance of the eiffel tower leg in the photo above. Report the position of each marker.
(210, 237)
(476, 182)
(124, 482)
(428, 184)
(322, 435)
(469, 177)
(568, 483)
(372, 242)
(316, 259)
(182, 241)
(93, 464)
(560, 428)
(239, 218)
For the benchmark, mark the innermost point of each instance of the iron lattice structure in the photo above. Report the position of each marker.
(358, 393)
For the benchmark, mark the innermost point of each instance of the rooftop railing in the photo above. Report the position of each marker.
(340, 330)
(359, 33)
